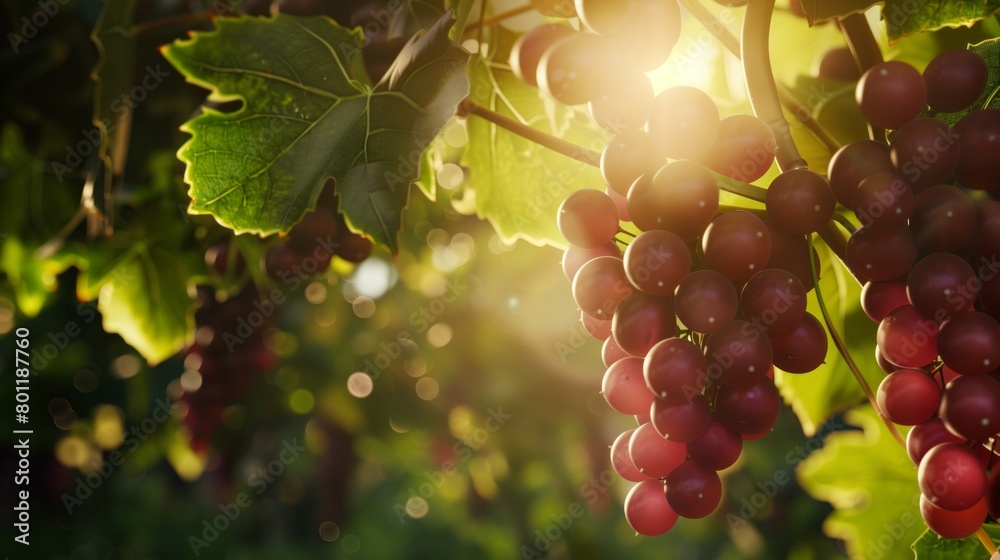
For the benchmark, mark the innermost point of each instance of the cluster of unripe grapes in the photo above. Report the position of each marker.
(706, 299)
(928, 249)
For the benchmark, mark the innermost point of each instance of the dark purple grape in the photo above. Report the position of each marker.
(600, 285)
(706, 301)
(749, 410)
(890, 94)
(802, 349)
(955, 80)
(588, 218)
(883, 202)
(906, 339)
(970, 343)
(924, 437)
(642, 320)
(952, 477)
(682, 421)
(926, 151)
(908, 396)
(774, 300)
(682, 197)
(737, 244)
(656, 261)
(881, 255)
(979, 165)
(941, 285)
(799, 202)
(528, 49)
(717, 448)
(744, 149)
(879, 298)
(626, 157)
(693, 491)
(853, 163)
(970, 407)
(676, 370)
(943, 218)
(837, 64)
(740, 353)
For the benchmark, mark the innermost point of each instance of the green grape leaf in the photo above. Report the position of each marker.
(932, 547)
(514, 183)
(904, 17)
(309, 114)
(832, 388)
(990, 51)
(33, 278)
(872, 485)
(142, 294)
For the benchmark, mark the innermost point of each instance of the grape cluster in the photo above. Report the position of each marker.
(928, 250)
(228, 355)
(705, 300)
(305, 250)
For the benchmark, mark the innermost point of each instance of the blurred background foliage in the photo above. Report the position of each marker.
(388, 373)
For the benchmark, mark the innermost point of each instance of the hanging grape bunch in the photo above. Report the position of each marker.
(697, 302)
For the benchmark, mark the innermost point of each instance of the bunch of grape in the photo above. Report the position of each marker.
(928, 249)
(228, 354)
(706, 299)
(306, 250)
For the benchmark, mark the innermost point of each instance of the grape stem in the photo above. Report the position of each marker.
(866, 52)
(760, 81)
(498, 17)
(986, 540)
(732, 44)
(565, 148)
(845, 352)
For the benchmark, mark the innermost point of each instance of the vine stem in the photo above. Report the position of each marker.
(760, 81)
(565, 148)
(732, 44)
(846, 354)
(497, 18)
(866, 52)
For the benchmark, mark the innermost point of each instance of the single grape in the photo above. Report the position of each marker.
(588, 218)
(908, 396)
(970, 407)
(611, 352)
(925, 151)
(737, 244)
(906, 339)
(979, 166)
(774, 300)
(642, 320)
(647, 510)
(837, 64)
(943, 219)
(676, 370)
(575, 257)
(621, 461)
(853, 163)
(890, 94)
(626, 157)
(951, 477)
(656, 261)
(654, 455)
(740, 353)
(574, 69)
(925, 436)
(600, 285)
(955, 79)
(883, 202)
(693, 491)
(799, 202)
(749, 410)
(941, 285)
(706, 301)
(881, 255)
(353, 247)
(681, 421)
(683, 123)
(627, 106)
(624, 387)
(682, 197)
(802, 349)
(743, 149)
(879, 298)
(717, 448)
(970, 343)
(953, 524)
(528, 49)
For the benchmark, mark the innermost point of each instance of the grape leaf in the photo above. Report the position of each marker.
(872, 485)
(514, 183)
(309, 113)
(142, 294)
(831, 388)
(990, 51)
(932, 547)
(904, 17)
